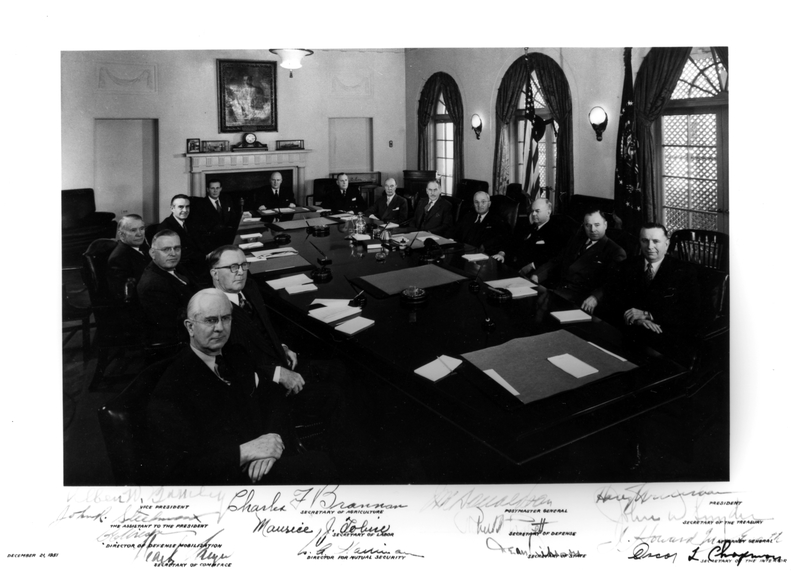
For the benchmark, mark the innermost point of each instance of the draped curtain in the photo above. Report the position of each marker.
(444, 83)
(557, 96)
(657, 77)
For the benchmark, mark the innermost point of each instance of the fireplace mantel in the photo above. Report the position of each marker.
(203, 164)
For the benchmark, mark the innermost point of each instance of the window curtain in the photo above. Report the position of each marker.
(557, 96)
(444, 83)
(657, 77)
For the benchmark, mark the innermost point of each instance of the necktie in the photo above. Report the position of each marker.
(649, 272)
(219, 207)
(479, 219)
(224, 371)
(246, 306)
(430, 204)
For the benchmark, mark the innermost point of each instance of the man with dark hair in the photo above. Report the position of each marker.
(580, 270)
(390, 207)
(541, 239)
(164, 290)
(435, 216)
(487, 232)
(214, 217)
(130, 256)
(656, 296)
(209, 419)
(193, 245)
(344, 197)
(275, 196)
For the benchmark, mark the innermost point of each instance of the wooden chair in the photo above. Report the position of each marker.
(700, 246)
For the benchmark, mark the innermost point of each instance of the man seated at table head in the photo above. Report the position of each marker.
(275, 196)
(252, 327)
(207, 419)
(130, 256)
(656, 294)
(164, 290)
(580, 270)
(390, 207)
(344, 197)
(435, 215)
(484, 230)
(194, 240)
(541, 239)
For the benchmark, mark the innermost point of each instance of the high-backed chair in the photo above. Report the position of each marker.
(506, 208)
(123, 424)
(700, 246)
(456, 203)
(81, 223)
(71, 314)
(466, 188)
(414, 184)
(712, 353)
(322, 186)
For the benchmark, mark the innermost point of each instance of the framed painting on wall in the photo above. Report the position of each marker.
(247, 96)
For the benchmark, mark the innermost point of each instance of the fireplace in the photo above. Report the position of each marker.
(242, 173)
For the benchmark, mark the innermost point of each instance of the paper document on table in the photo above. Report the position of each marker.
(475, 256)
(271, 253)
(250, 236)
(361, 236)
(389, 226)
(571, 365)
(356, 325)
(334, 314)
(573, 316)
(331, 302)
(520, 292)
(292, 280)
(503, 383)
(250, 245)
(292, 289)
(510, 282)
(438, 368)
(344, 216)
(266, 211)
(251, 220)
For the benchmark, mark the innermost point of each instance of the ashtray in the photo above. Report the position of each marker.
(318, 230)
(321, 275)
(282, 238)
(498, 295)
(413, 295)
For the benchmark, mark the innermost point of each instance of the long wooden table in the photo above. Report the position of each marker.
(451, 322)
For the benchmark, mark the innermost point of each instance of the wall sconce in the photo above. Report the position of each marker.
(599, 120)
(291, 58)
(477, 125)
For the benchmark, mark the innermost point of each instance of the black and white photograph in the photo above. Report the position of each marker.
(496, 305)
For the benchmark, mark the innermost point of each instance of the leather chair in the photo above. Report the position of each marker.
(81, 223)
(506, 208)
(322, 186)
(700, 246)
(73, 314)
(579, 204)
(457, 204)
(466, 188)
(122, 423)
(414, 184)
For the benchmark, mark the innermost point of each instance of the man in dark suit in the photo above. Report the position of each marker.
(344, 197)
(194, 246)
(130, 256)
(164, 290)
(435, 216)
(390, 207)
(580, 270)
(275, 196)
(656, 296)
(487, 232)
(214, 217)
(208, 419)
(540, 240)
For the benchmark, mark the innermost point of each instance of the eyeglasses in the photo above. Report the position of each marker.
(169, 249)
(235, 267)
(213, 321)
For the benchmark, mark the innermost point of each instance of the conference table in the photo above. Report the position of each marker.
(452, 321)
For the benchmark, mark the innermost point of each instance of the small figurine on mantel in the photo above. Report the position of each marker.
(249, 142)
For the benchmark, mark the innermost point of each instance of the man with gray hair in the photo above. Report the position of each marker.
(486, 231)
(208, 418)
(542, 238)
(390, 207)
(130, 256)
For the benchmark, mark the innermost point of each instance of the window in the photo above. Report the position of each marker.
(521, 136)
(444, 146)
(694, 141)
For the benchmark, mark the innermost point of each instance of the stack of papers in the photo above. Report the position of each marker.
(250, 236)
(344, 216)
(574, 316)
(271, 253)
(331, 302)
(288, 281)
(438, 368)
(572, 365)
(332, 315)
(475, 256)
(292, 289)
(251, 220)
(356, 325)
(253, 245)
(518, 286)
(361, 236)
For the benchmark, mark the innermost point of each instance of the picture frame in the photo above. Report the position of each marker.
(247, 96)
(215, 146)
(290, 144)
(193, 145)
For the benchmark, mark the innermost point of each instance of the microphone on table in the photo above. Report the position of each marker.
(321, 274)
(360, 299)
